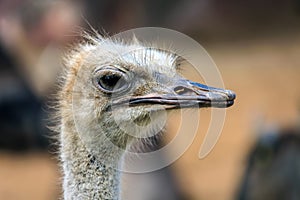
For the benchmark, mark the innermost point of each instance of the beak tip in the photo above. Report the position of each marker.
(230, 103)
(231, 95)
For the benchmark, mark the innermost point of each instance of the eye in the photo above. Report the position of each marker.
(111, 80)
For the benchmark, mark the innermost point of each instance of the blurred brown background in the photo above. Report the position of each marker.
(255, 44)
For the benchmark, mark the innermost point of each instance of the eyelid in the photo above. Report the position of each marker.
(110, 70)
(111, 67)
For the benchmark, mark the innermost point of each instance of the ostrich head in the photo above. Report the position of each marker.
(121, 91)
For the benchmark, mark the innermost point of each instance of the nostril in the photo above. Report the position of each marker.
(180, 90)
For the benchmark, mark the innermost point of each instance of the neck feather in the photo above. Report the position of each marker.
(86, 177)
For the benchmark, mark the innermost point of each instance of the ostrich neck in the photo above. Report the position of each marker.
(85, 177)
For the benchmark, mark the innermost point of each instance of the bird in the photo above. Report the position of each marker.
(109, 85)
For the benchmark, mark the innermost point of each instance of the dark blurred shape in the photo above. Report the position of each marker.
(205, 19)
(273, 170)
(31, 36)
(22, 119)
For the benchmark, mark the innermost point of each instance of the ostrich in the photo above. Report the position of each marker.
(109, 81)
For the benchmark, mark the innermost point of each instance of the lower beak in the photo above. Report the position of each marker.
(187, 94)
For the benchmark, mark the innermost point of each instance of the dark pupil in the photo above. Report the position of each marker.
(111, 81)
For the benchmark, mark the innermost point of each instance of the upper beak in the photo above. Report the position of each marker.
(184, 94)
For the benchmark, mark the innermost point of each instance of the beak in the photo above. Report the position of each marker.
(187, 94)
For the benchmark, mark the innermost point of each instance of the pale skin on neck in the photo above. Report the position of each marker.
(85, 177)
